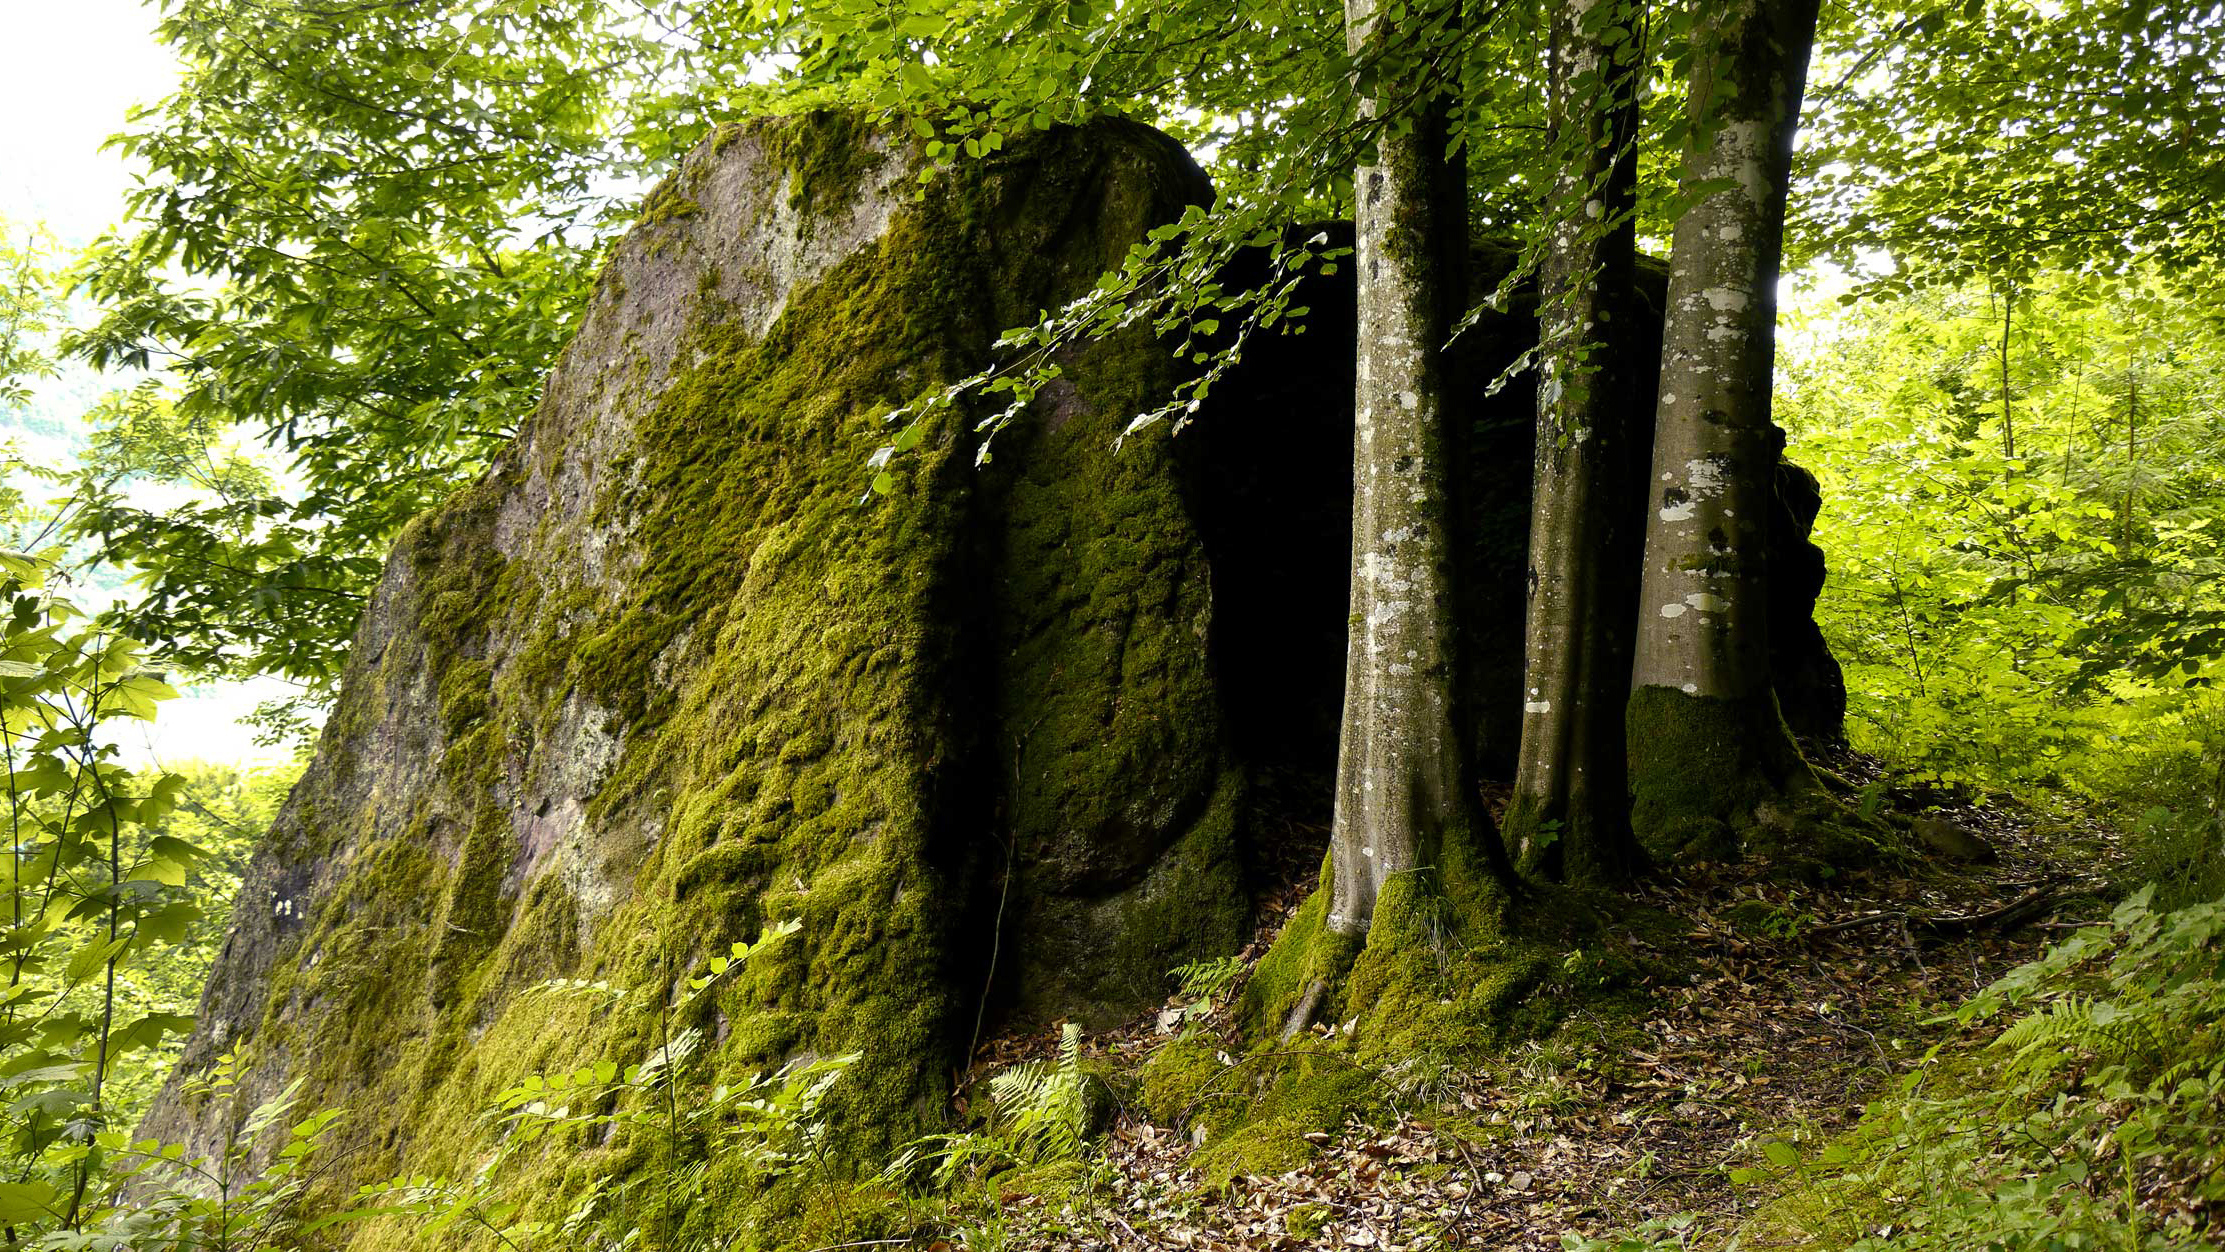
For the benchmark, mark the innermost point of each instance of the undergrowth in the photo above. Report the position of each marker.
(1041, 1112)
(2081, 1107)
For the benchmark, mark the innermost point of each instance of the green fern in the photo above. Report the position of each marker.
(1040, 1113)
(1208, 980)
(2076, 1027)
(1042, 1110)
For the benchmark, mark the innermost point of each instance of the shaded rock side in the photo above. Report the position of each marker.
(1811, 688)
(661, 680)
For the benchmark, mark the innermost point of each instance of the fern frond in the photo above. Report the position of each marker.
(2110, 1032)
(1043, 1110)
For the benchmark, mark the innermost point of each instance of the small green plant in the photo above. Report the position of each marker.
(1762, 919)
(1203, 987)
(223, 1200)
(1307, 1221)
(1548, 833)
(1042, 1108)
(768, 1120)
(1542, 1082)
(1656, 1235)
(1208, 980)
(1870, 801)
(1040, 1112)
(1597, 967)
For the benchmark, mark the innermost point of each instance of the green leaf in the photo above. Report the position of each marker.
(23, 1203)
(92, 958)
(168, 873)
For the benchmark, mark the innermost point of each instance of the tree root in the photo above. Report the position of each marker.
(1307, 1008)
(2029, 907)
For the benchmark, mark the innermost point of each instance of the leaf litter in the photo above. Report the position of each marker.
(1791, 1004)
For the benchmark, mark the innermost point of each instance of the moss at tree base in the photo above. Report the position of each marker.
(1435, 981)
(1703, 770)
(1719, 779)
(1307, 959)
(1589, 848)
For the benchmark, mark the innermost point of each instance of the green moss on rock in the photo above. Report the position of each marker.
(1178, 1078)
(660, 681)
(827, 160)
(1299, 1093)
(1252, 1114)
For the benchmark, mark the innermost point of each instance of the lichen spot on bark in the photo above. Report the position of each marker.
(1705, 476)
(1726, 299)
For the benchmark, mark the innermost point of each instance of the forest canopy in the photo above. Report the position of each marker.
(370, 261)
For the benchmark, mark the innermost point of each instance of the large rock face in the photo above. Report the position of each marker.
(661, 680)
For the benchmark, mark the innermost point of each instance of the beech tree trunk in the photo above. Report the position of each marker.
(1402, 790)
(1708, 747)
(1570, 813)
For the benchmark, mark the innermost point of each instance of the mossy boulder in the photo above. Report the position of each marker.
(997, 740)
(1263, 1113)
(662, 680)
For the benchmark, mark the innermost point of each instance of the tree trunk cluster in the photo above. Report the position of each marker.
(1650, 723)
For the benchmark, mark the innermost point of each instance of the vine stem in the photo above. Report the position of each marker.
(1004, 894)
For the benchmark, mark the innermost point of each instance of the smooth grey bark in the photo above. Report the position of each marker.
(1402, 788)
(1570, 816)
(1704, 734)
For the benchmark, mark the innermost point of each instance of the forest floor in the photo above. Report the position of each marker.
(1791, 1005)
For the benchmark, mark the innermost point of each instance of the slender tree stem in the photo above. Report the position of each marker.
(1586, 523)
(2008, 419)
